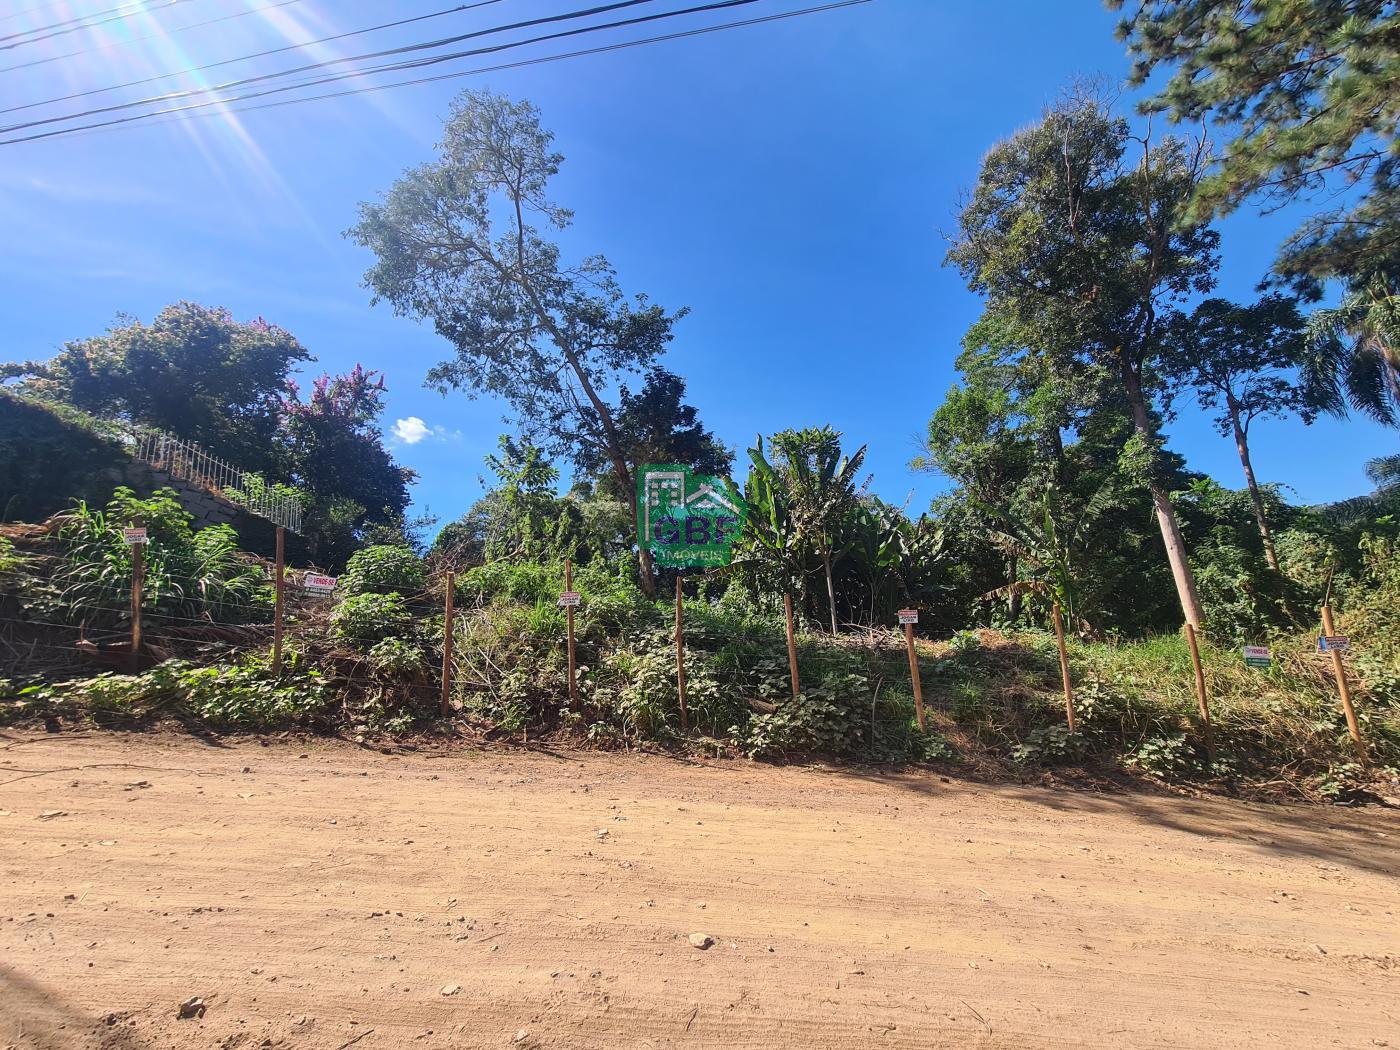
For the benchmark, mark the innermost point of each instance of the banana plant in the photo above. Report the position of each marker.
(895, 558)
(815, 483)
(1048, 544)
(772, 549)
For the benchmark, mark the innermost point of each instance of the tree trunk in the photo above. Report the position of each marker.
(1242, 446)
(830, 588)
(613, 444)
(1161, 502)
(1013, 603)
(646, 569)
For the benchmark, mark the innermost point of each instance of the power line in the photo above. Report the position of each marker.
(257, 54)
(389, 67)
(173, 96)
(149, 36)
(54, 7)
(82, 23)
(202, 111)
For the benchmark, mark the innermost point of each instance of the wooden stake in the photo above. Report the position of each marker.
(680, 658)
(1339, 669)
(914, 674)
(1064, 667)
(792, 645)
(277, 601)
(138, 579)
(569, 611)
(1201, 699)
(447, 632)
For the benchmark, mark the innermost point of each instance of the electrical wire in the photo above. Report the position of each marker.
(684, 34)
(128, 41)
(128, 5)
(173, 96)
(115, 15)
(36, 8)
(257, 54)
(185, 112)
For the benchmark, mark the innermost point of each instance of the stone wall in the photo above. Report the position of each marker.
(207, 508)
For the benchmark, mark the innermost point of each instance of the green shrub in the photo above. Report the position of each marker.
(52, 454)
(384, 569)
(803, 724)
(529, 582)
(1243, 599)
(257, 491)
(186, 574)
(1167, 756)
(370, 617)
(246, 697)
(396, 656)
(10, 560)
(243, 695)
(828, 719)
(1048, 746)
(636, 685)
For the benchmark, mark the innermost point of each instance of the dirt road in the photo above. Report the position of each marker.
(320, 895)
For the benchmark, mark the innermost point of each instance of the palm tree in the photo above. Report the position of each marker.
(1355, 351)
(1384, 472)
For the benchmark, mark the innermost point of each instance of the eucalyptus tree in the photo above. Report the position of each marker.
(1076, 234)
(462, 241)
(1242, 363)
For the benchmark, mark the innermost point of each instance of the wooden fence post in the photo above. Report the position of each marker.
(914, 675)
(1340, 671)
(680, 658)
(447, 633)
(1064, 666)
(278, 583)
(569, 611)
(792, 645)
(1201, 698)
(138, 579)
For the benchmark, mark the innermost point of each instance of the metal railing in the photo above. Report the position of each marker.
(186, 461)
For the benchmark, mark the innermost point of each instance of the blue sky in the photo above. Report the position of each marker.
(788, 182)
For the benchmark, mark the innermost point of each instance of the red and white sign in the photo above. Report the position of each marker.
(134, 536)
(570, 598)
(908, 615)
(315, 584)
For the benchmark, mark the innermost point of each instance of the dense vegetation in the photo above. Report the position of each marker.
(1090, 243)
(226, 385)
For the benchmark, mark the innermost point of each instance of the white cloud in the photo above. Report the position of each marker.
(411, 430)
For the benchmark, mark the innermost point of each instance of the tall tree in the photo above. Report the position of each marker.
(1082, 247)
(1242, 363)
(655, 425)
(459, 241)
(193, 371)
(1307, 89)
(333, 451)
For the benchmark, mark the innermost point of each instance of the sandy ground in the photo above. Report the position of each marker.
(321, 895)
